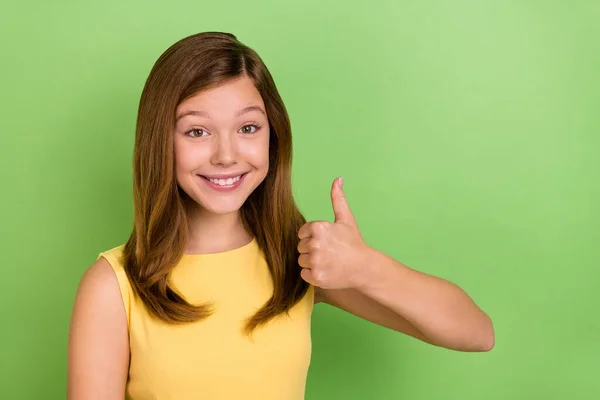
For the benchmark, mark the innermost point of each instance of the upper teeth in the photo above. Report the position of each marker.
(225, 182)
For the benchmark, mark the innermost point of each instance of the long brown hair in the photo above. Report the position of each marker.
(160, 233)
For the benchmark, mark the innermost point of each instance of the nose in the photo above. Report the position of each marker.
(225, 151)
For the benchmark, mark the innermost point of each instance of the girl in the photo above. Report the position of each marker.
(211, 297)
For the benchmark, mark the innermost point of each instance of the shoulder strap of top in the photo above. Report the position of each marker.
(114, 257)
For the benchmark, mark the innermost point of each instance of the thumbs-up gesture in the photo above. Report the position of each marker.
(332, 255)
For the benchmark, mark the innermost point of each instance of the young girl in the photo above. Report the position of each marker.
(211, 297)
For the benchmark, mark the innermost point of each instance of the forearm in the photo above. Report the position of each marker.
(439, 309)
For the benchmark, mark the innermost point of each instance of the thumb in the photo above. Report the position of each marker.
(341, 209)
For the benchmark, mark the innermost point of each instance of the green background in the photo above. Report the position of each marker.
(466, 131)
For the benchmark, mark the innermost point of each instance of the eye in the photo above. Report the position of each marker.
(193, 132)
(244, 130)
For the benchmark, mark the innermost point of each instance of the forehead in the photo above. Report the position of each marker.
(232, 95)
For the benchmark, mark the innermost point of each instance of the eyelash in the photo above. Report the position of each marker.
(200, 129)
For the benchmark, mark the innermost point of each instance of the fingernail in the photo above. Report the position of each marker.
(341, 181)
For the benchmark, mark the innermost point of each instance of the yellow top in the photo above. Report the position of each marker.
(212, 358)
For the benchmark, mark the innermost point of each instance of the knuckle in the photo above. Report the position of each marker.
(324, 225)
(315, 245)
(318, 227)
(314, 259)
(319, 275)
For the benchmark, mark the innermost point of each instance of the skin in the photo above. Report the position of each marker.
(223, 142)
(349, 274)
(346, 272)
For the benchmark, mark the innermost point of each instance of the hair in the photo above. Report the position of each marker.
(160, 229)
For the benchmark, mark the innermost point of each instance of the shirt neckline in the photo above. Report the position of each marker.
(235, 251)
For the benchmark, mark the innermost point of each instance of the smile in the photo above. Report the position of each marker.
(225, 182)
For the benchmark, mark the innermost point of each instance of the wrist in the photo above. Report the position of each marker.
(379, 272)
(368, 274)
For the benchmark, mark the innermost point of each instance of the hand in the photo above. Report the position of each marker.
(333, 255)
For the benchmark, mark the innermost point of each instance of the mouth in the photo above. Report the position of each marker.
(224, 181)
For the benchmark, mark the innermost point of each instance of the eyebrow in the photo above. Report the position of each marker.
(200, 113)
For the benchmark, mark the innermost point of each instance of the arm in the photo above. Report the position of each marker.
(98, 351)
(362, 306)
(350, 275)
(423, 306)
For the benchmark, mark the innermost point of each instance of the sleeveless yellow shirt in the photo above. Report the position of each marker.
(212, 358)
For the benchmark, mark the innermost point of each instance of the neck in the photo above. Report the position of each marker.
(214, 233)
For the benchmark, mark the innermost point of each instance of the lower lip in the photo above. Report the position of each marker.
(225, 188)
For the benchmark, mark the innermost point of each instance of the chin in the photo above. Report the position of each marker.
(219, 206)
(219, 209)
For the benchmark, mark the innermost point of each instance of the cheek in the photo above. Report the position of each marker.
(181, 157)
(259, 153)
(186, 158)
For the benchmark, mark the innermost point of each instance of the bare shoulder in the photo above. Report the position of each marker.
(98, 358)
(99, 279)
(99, 290)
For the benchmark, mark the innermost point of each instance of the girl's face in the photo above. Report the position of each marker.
(221, 143)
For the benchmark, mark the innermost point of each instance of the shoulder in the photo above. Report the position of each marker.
(108, 273)
(99, 283)
(98, 335)
(113, 256)
(104, 290)
(99, 301)
(98, 305)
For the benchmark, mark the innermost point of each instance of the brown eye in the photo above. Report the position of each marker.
(196, 132)
(245, 130)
